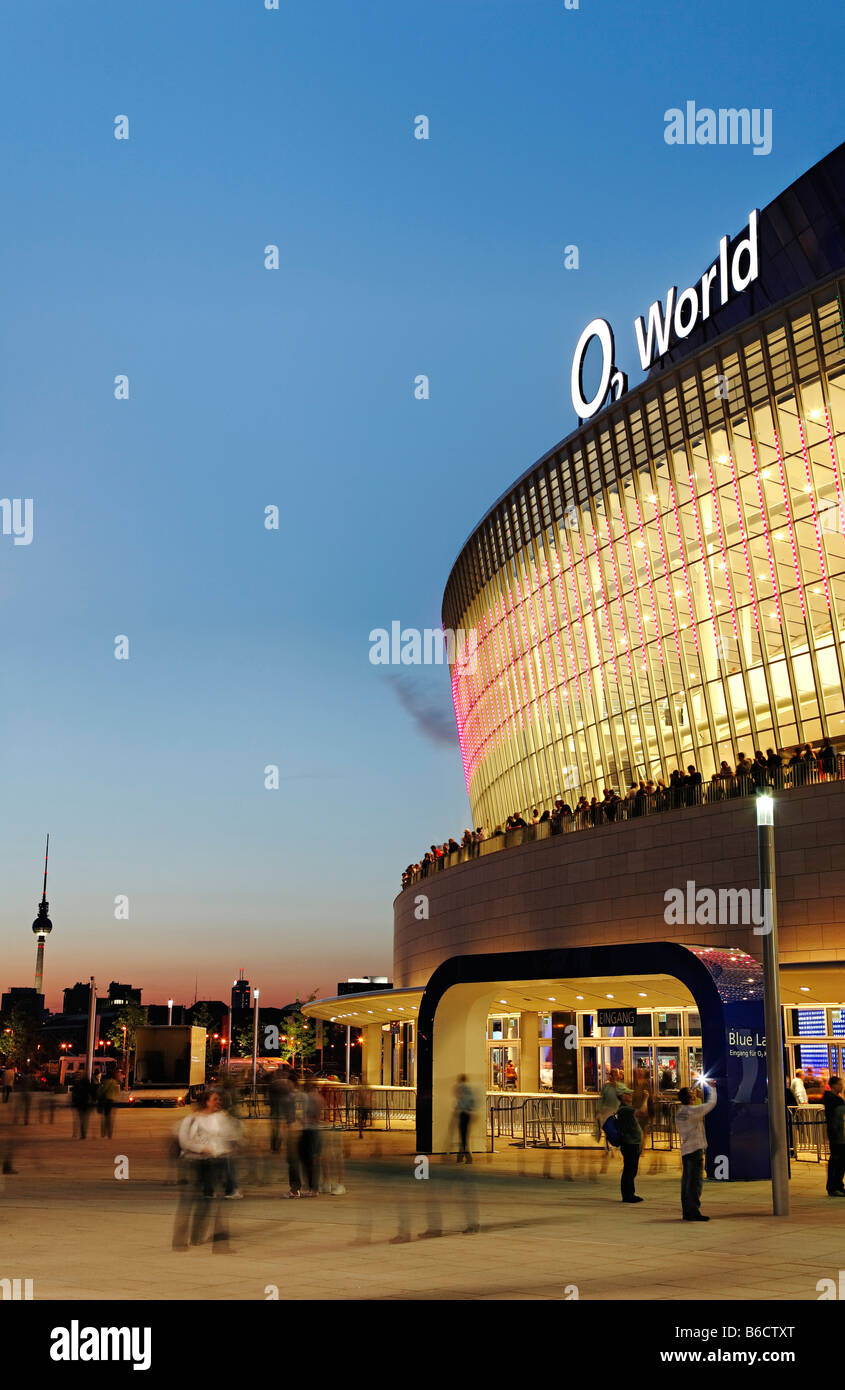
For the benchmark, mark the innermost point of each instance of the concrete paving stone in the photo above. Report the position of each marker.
(65, 1222)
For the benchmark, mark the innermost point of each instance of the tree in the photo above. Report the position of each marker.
(296, 1038)
(131, 1017)
(18, 1034)
(244, 1039)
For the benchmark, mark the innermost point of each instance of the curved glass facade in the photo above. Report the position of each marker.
(668, 586)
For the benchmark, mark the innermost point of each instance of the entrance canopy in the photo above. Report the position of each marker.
(358, 1010)
(724, 984)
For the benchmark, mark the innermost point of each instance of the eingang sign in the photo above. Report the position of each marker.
(732, 271)
(617, 1018)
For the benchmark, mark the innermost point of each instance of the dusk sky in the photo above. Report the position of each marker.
(294, 387)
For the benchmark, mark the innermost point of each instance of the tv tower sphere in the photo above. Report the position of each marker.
(42, 926)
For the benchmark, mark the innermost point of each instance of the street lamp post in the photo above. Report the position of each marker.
(778, 1147)
(92, 1026)
(255, 1046)
(169, 1013)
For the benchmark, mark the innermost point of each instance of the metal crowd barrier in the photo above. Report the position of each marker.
(549, 1121)
(363, 1107)
(808, 1129)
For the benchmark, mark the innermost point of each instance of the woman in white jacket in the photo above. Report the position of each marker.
(206, 1138)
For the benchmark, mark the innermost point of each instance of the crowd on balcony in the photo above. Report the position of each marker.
(767, 771)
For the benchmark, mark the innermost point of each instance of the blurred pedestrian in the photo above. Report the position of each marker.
(206, 1137)
(833, 1103)
(631, 1139)
(81, 1098)
(310, 1115)
(280, 1094)
(464, 1110)
(107, 1096)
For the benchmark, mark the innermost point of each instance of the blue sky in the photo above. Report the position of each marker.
(294, 387)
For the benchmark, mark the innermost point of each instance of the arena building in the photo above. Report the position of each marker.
(663, 590)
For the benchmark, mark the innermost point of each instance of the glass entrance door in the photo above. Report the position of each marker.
(503, 1068)
(612, 1063)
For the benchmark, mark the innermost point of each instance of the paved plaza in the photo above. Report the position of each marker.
(550, 1223)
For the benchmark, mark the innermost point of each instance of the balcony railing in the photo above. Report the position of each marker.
(671, 798)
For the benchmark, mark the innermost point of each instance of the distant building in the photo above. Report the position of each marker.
(160, 1014)
(240, 994)
(76, 998)
(122, 994)
(23, 997)
(212, 1009)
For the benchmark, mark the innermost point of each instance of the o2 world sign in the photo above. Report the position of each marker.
(661, 328)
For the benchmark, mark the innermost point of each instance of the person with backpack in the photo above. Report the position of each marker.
(608, 1102)
(630, 1138)
(690, 1124)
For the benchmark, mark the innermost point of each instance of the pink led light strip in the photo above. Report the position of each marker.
(744, 540)
(835, 473)
(556, 629)
(615, 572)
(578, 613)
(725, 569)
(819, 545)
(648, 578)
(669, 593)
(535, 632)
(544, 648)
(526, 652)
(565, 609)
(785, 491)
(607, 623)
(694, 505)
(766, 535)
(634, 589)
(693, 624)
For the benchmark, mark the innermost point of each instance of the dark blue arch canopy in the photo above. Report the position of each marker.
(727, 987)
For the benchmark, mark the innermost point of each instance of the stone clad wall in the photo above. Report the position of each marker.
(607, 885)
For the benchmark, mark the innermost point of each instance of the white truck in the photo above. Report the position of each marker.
(169, 1064)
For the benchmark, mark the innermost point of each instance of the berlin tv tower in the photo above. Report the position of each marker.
(42, 926)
